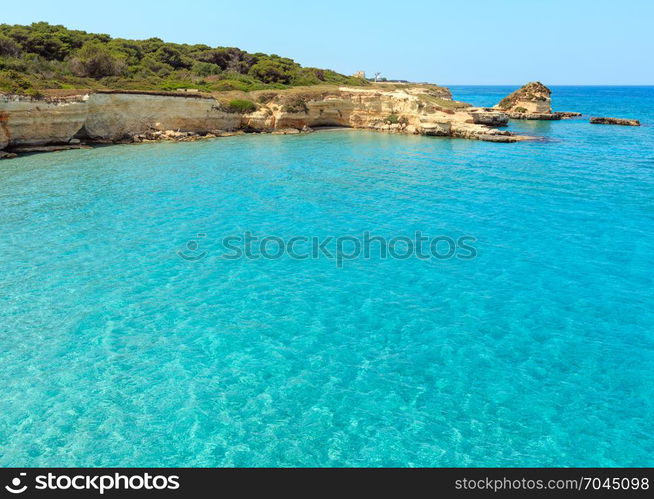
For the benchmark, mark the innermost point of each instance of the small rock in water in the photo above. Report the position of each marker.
(490, 118)
(564, 115)
(7, 155)
(614, 121)
(286, 131)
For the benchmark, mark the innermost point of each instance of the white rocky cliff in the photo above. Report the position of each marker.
(122, 116)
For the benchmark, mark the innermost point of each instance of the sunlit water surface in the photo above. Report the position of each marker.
(114, 351)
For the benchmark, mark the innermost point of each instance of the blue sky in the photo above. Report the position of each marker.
(586, 42)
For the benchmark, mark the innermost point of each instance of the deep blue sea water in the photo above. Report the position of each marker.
(114, 351)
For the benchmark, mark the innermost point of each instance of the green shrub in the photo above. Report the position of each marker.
(34, 93)
(150, 64)
(96, 61)
(8, 47)
(8, 63)
(173, 57)
(272, 71)
(394, 119)
(206, 69)
(521, 110)
(240, 106)
(15, 83)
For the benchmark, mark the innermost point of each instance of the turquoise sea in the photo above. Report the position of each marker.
(115, 351)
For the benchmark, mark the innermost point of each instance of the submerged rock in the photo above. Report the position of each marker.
(614, 121)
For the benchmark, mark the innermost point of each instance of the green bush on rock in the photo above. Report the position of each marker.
(240, 106)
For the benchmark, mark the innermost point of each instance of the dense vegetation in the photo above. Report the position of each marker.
(43, 56)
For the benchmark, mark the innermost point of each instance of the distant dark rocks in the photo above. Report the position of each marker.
(614, 121)
(567, 115)
(533, 116)
(559, 115)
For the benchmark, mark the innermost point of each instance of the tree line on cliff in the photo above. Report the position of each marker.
(44, 56)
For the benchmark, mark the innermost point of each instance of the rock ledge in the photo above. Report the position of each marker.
(614, 121)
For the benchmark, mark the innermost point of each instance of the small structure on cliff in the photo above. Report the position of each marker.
(360, 74)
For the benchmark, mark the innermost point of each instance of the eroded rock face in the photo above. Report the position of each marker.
(490, 118)
(471, 131)
(418, 111)
(114, 116)
(614, 121)
(24, 121)
(4, 131)
(532, 98)
(437, 129)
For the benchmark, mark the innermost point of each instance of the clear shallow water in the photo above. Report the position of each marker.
(116, 352)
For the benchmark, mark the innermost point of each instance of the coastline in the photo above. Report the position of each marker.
(69, 119)
(73, 121)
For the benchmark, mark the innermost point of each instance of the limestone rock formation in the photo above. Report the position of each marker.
(532, 98)
(116, 116)
(25, 121)
(490, 118)
(137, 117)
(614, 121)
(532, 102)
